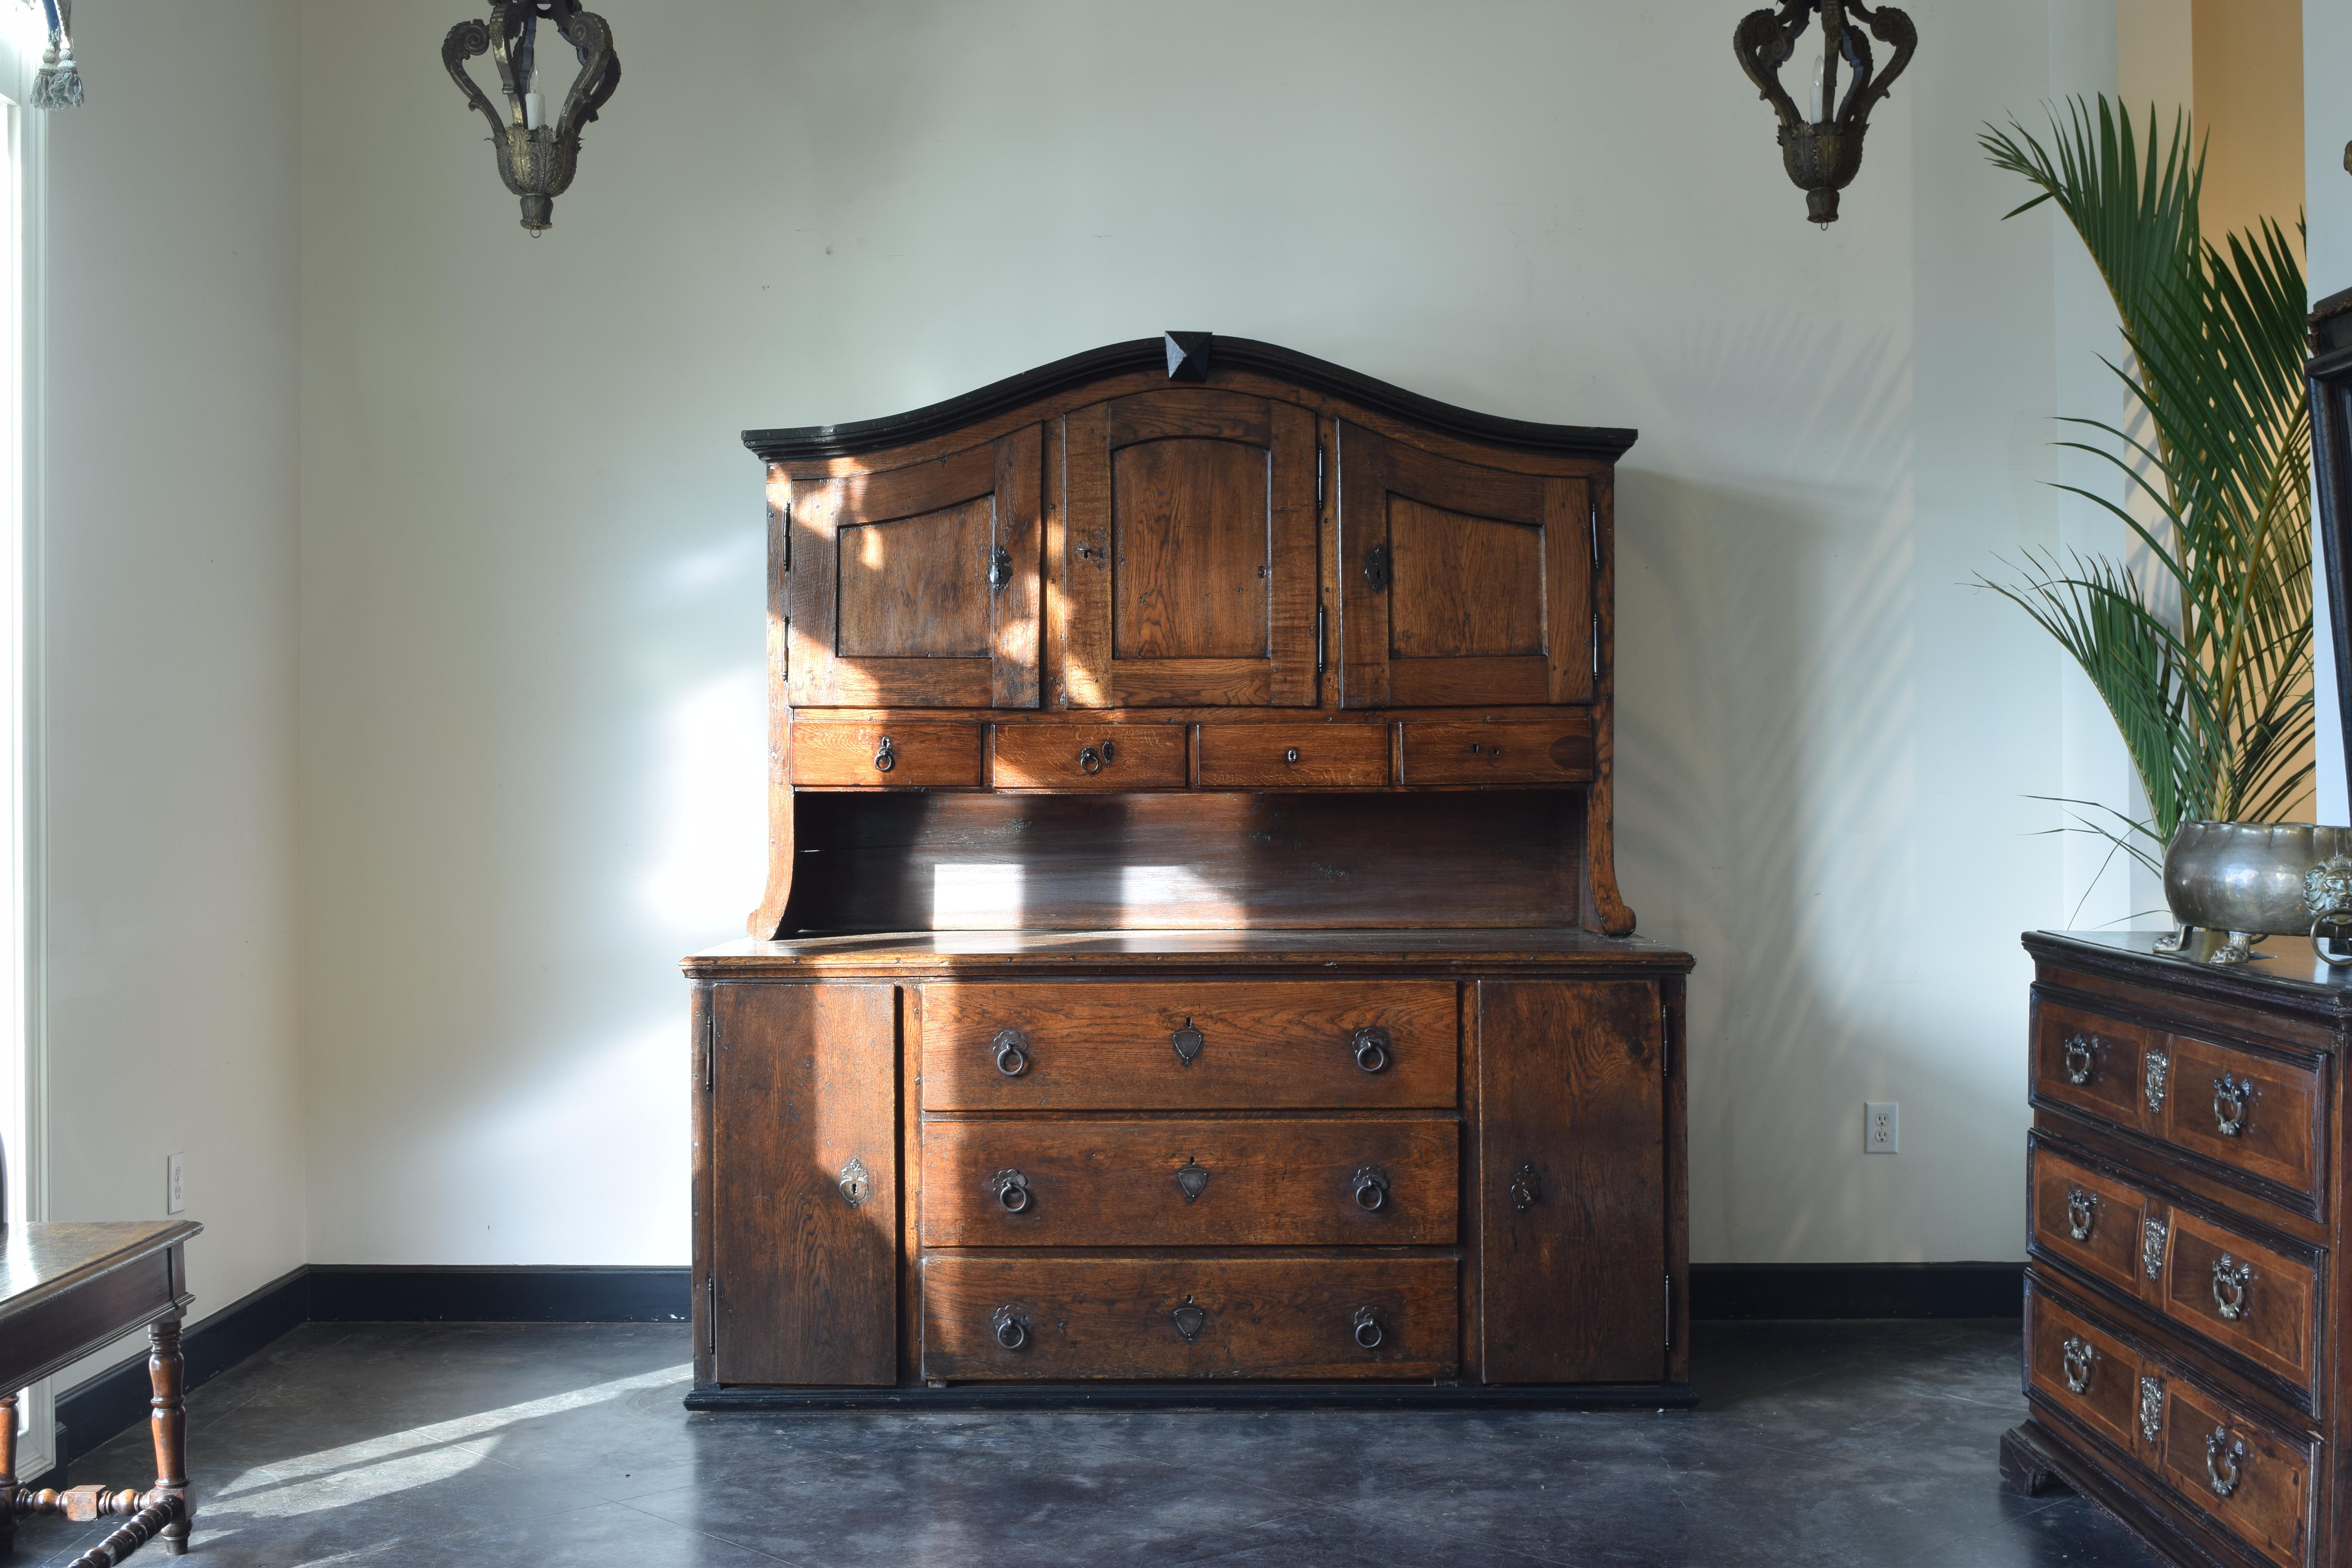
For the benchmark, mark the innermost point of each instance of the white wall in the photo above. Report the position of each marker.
(2327, 206)
(532, 545)
(169, 607)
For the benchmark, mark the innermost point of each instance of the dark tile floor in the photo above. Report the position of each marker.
(416, 1444)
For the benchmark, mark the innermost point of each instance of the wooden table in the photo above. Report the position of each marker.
(66, 1290)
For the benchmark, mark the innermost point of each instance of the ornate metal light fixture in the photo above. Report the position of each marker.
(1823, 155)
(536, 156)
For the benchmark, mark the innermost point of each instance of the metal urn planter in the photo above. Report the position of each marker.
(2249, 879)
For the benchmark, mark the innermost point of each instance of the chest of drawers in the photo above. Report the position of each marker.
(2185, 1228)
(1191, 963)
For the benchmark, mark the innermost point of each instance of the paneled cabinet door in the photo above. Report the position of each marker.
(1460, 585)
(917, 587)
(1188, 569)
(1572, 1182)
(804, 1201)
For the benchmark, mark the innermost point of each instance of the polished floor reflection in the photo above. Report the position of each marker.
(428, 1443)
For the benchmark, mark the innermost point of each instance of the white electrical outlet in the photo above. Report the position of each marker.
(175, 1183)
(1882, 1126)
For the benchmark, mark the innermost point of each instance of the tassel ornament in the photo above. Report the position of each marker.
(58, 85)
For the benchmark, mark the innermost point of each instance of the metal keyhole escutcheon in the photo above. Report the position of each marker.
(1369, 1333)
(855, 1181)
(1189, 1320)
(885, 759)
(1527, 1188)
(1371, 1045)
(1000, 568)
(1290, 755)
(1376, 568)
(1191, 1178)
(1187, 1042)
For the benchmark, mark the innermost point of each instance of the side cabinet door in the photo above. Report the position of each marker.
(917, 587)
(1572, 1206)
(804, 1178)
(1189, 562)
(1460, 585)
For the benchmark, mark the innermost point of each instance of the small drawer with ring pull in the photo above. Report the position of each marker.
(921, 755)
(2252, 1478)
(2244, 1296)
(1293, 756)
(2091, 1376)
(2254, 1114)
(1090, 756)
(2092, 1222)
(2090, 1062)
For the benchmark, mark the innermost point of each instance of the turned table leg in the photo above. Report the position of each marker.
(168, 1422)
(7, 1474)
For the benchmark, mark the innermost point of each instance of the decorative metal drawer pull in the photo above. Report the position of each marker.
(2225, 1460)
(1527, 1188)
(885, 759)
(1191, 1178)
(2080, 1058)
(2077, 1357)
(1371, 1045)
(1011, 1049)
(2231, 1278)
(2151, 1408)
(1012, 1328)
(1010, 1188)
(2151, 1247)
(1187, 1042)
(2156, 1063)
(1372, 1187)
(1369, 1333)
(855, 1181)
(2082, 1209)
(1189, 1320)
(1092, 758)
(2233, 1100)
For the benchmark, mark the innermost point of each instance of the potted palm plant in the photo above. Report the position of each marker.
(2201, 649)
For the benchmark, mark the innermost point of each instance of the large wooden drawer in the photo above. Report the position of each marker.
(2250, 1112)
(1293, 756)
(894, 754)
(2202, 1274)
(1352, 1182)
(1464, 752)
(1090, 756)
(1190, 1045)
(1322, 1318)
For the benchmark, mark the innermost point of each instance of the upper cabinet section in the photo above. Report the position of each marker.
(917, 586)
(1188, 560)
(1461, 584)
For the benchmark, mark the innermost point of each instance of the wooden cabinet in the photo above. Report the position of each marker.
(2186, 1239)
(1170, 981)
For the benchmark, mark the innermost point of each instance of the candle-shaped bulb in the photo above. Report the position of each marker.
(533, 111)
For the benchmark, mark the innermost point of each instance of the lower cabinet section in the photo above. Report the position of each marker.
(1170, 1318)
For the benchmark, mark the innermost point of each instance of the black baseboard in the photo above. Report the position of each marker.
(356, 1293)
(1729, 1291)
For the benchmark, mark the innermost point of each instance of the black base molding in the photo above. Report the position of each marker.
(359, 1293)
(1729, 1291)
(1206, 1396)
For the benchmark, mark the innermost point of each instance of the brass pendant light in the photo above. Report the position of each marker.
(1823, 155)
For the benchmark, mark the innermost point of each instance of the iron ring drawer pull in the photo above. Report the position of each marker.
(1369, 1333)
(2077, 1358)
(2082, 1209)
(1371, 1045)
(1092, 758)
(1012, 1328)
(1011, 1049)
(885, 759)
(2231, 1278)
(1010, 1189)
(2221, 1449)
(2233, 1100)
(2080, 1058)
(1372, 1187)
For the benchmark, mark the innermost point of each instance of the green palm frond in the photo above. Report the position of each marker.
(2208, 677)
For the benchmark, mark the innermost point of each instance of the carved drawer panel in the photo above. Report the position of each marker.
(2251, 1113)
(891, 755)
(1325, 1319)
(1287, 757)
(2084, 1371)
(1090, 757)
(2089, 1062)
(1463, 752)
(2096, 1223)
(1357, 1182)
(1192, 1045)
(2253, 1480)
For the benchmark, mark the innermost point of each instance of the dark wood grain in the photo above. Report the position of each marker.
(1269, 1044)
(1311, 757)
(2280, 1134)
(1084, 608)
(1438, 554)
(1558, 750)
(923, 754)
(1250, 862)
(1191, 551)
(2274, 1505)
(2116, 1049)
(2110, 1252)
(1572, 1084)
(916, 587)
(1097, 1181)
(71, 1287)
(1016, 609)
(2275, 1324)
(806, 1284)
(2109, 1400)
(1605, 908)
(1112, 1317)
(1124, 756)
